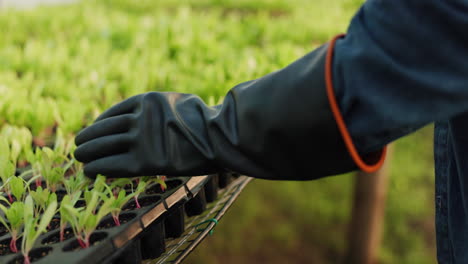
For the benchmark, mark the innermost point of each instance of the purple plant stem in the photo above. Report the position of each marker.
(13, 245)
(116, 220)
(26, 259)
(82, 243)
(136, 202)
(39, 182)
(62, 233)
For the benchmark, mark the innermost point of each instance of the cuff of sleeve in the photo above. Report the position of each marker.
(369, 162)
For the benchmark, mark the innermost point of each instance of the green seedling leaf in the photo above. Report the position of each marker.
(7, 169)
(75, 184)
(17, 187)
(162, 181)
(120, 183)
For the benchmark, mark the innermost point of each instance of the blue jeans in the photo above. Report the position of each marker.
(403, 65)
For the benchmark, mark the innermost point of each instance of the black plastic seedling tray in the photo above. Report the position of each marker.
(199, 227)
(141, 234)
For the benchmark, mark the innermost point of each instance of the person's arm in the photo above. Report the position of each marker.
(278, 127)
(388, 76)
(402, 65)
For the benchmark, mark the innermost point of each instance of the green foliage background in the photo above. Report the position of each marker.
(84, 57)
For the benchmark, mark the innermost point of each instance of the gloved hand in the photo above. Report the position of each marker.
(277, 127)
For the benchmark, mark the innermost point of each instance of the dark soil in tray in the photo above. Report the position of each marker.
(143, 201)
(5, 246)
(54, 224)
(94, 240)
(34, 255)
(55, 237)
(60, 194)
(80, 203)
(33, 185)
(109, 223)
(3, 230)
(171, 184)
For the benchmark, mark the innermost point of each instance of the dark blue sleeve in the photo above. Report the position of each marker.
(402, 65)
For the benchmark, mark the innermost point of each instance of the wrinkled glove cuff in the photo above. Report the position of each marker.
(369, 162)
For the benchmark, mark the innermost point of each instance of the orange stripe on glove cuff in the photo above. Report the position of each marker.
(369, 163)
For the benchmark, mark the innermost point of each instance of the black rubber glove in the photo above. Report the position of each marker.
(277, 127)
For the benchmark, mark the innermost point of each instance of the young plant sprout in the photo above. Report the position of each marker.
(42, 199)
(143, 182)
(65, 216)
(63, 145)
(14, 221)
(19, 139)
(116, 203)
(75, 184)
(118, 184)
(117, 197)
(7, 167)
(24, 138)
(17, 186)
(34, 225)
(7, 171)
(84, 220)
(48, 164)
(162, 181)
(54, 177)
(14, 145)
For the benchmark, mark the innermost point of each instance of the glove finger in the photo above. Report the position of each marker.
(117, 166)
(125, 107)
(105, 127)
(102, 147)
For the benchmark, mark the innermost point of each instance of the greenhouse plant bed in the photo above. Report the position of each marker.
(140, 235)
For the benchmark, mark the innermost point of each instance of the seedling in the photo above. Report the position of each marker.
(43, 198)
(162, 181)
(84, 220)
(19, 139)
(118, 184)
(14, 221)
(17, 186)
(48, 164)
(117, 197)
(143, 182)
(75, 184)
(65, 216)
(116, 204)
(34, 225)
(7, 167)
